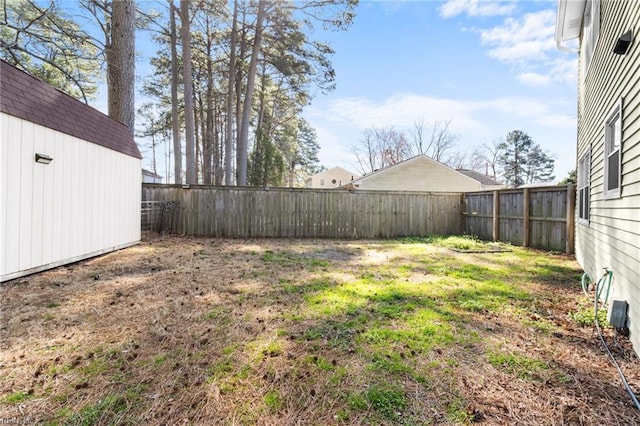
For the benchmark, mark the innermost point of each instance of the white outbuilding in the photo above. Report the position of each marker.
(69, 178)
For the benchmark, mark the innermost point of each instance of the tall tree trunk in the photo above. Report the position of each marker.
(197, 119)
(207, 136)
(262, 135)
(189, 131)
(121, 63)
(175, 119)
(243, 141)
(153, 147)
(228, 146)
(242, 54)
(217, 130)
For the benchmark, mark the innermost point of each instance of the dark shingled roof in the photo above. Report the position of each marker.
(483, 179)
(26, 97)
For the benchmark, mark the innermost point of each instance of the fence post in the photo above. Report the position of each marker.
(571, 229)
(463, 210)
(496, 215)
(525, 218)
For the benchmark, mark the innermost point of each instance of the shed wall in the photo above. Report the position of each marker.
(84, 203)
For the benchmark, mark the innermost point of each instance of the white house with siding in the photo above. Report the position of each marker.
(335, 177)
(422, 173)
(150, 177)
(69, 178)
(608, 152)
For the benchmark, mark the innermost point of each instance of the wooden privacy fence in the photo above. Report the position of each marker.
(301, 213)
(532, 217)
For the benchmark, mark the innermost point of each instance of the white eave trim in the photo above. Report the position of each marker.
(569, 21)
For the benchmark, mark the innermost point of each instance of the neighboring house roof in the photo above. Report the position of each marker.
(150, 174)
(331, 171)
(421, 159)
(26, 97)
(482, 178)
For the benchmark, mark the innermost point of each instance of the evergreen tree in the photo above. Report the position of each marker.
(51, 46)
(266, 164)
(539, 166)
(571, 179)
(253, 68)
(308, 149)
(523, 161)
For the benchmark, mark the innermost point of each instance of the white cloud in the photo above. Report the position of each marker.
(522, 40)
(559, 70)
(403, 110)
(565, 70)
(534, 110)
(454, 8)
(534, 79)
(528, 44)
(340, 123)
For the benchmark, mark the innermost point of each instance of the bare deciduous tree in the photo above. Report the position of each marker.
(381, 147)
(484, 159)
(442, 140)
(458, 160)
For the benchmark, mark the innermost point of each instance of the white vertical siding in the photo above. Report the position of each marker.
(85, 202)
(4, 174)
(11, 208)
(59, 209)
(48, 201)
(612, 237)
(37, 196)
(24, 185)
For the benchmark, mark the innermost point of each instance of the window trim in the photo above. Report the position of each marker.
(584, 183)
(589, 41)
(614, 114)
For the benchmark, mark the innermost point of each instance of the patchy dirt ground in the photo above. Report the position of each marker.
(212, 331)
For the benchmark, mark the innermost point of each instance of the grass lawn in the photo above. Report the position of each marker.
(213, 331)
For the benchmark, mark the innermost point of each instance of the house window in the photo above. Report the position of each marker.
(321, 182)
(590, 33)
(584, 178)
(612, 145)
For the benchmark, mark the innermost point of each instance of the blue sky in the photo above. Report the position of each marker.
(488, 66)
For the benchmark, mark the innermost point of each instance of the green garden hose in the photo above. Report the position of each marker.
(607, 278)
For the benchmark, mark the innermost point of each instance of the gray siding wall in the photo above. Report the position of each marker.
(612, 236)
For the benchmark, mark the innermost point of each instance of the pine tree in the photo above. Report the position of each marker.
(51, 46)
(539, 166)
(524, 161)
